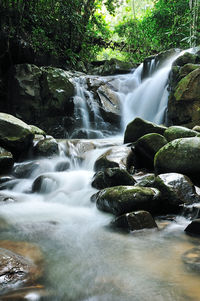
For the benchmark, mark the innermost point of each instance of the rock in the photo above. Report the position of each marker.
(175, 132)
(6, 161)
(181, 156)
(196, 128)
(37, 131)
(15, 270)
(47, 147)
(134, 221)
(146, 147)
(109, 104)
(192, 259)
(24, 170)
(114, 157)
(139, 127)
(15, 135)
(184, 103)
(124, 199)
(43, 95)
(112, 177)
(193, 227)
(62, 166)
(44, 184)
(186, 58)
(186, 69)
(114, 66)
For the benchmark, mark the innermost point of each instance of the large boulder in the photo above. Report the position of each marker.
(47, 147)
(194, 227)
(111, 67)
(124, 199)
(136, 220)
(40, 95)
(184, 101)
(146, 147)
(139, 127)
(15, 135)
(181, 156)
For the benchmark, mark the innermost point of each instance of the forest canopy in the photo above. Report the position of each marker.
(86, 30)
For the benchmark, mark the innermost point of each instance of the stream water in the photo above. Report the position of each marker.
(84, 259)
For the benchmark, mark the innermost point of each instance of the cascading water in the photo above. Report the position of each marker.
(83, 259)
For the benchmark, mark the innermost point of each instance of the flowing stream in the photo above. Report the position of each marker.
(83, 258)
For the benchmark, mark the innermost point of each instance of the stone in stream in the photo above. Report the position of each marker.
(145, 149)
(37, 131)
(191, 258)
(114, 157)
(194, 227)
(175, 132)
(112, 177)
(139, 127)
(124, 199)
(62, 166)
(15, 135)
(6, 161)
(180, 156)
(132, 221)
(47, 147)
(176, 190)
(24, 170)
(21, 264)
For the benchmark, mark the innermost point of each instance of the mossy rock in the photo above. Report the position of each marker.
(186, 58)
(140, 127)
(186, 69)
(47, 147)
(124, 199)
(6, 161)
(146, 147)
(175, 132)
(15, 135)
(37, 131)
(181, 156)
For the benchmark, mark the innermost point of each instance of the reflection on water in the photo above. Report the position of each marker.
(84, 260)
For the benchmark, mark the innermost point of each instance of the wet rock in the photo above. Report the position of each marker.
(62, 166)
(193, 227)
(24, 170)
(86, 134)
(20, 264)
(192, 259)
(112, 177)
(15, 135)
(113, 66)
(184, 102)
(109, 104)
(6, 198)
(181, 156)
(175, 132)
(6, 161)
(139, 127)
(44, 184)
(35, 292)
(15, 269)
(124, 199)
(114, 157)
(146, 147)
(9, 183)
(196, 128)
(186, 58)
(47, 147)
(186, 69)
(134, 221)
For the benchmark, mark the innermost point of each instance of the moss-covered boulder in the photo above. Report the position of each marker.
(175, 132)
(6, 161)
(146, 147)
(112, 177)
(115, 66)
(139, 127)
(187, 58)
(132, 221)
(47, 147)
(186, 69)
(181, 156)
(114, 157)
(124, 199)
(15, 135)
(37, 131)
(184, 102)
